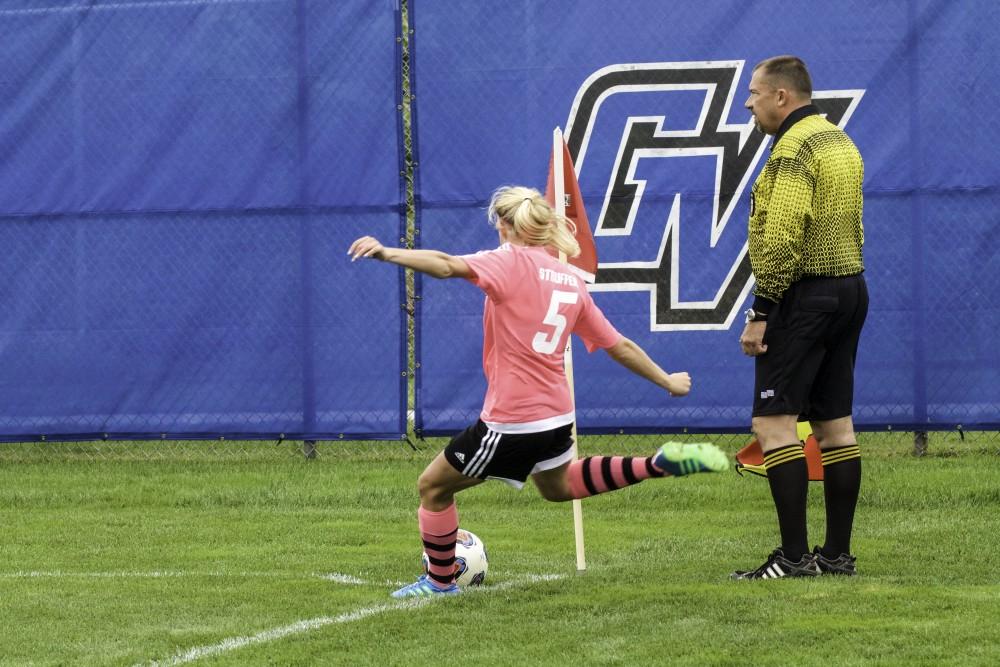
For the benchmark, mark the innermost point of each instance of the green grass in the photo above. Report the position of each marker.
(123, 562)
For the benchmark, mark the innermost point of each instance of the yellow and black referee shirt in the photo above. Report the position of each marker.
(806, 206)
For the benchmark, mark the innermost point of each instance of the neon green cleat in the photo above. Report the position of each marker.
(679, 459)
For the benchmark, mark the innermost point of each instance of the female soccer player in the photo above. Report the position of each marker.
(533, 303)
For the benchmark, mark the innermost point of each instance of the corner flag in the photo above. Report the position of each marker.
(563, 193)
(566, 186)
(751, 457)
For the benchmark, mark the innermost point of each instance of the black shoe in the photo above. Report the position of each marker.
(777, 566)
(842, 564)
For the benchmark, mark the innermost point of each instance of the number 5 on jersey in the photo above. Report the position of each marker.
(547, 342)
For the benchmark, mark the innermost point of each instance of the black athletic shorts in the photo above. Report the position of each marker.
(812, 342)
(481, 452)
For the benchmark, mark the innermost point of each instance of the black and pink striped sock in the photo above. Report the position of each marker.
(439, 530)
(600, 474)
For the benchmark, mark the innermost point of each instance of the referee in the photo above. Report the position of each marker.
(805, 237)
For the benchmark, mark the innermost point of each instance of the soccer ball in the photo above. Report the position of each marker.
(471, 561)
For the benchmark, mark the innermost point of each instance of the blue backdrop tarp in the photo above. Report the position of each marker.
(651, 100)
(181, 182)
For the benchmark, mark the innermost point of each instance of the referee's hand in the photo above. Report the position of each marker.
(752, 339)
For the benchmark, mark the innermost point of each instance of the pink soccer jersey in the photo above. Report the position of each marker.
(533, 303)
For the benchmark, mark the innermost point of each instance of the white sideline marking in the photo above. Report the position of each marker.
(277, 633)
(342, 578)
(59, 574)
(273, 634)
(167, 574)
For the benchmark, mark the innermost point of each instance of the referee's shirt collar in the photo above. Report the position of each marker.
(792, 119)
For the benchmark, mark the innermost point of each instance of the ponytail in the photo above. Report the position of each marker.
(533, 219)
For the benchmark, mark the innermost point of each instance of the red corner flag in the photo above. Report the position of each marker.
(571, 205)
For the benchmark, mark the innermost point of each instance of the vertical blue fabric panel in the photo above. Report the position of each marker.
(670, 125)
(450, 381)
(135, 329)
(181, 183)
(353, 138)
(36, 112)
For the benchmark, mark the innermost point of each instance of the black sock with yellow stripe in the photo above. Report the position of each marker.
(841, 485)
(788, 476)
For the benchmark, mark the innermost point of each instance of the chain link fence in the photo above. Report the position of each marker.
(652, 111)
(174, 216)
(938, 444)
(941, 370)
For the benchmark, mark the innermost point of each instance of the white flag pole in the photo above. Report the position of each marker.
(559, 196)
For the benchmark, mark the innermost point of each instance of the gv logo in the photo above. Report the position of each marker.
(656, 140)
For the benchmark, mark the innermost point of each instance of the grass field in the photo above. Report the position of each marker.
(264, 558)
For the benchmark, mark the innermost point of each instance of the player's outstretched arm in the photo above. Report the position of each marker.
(627, 353)
(432, 262)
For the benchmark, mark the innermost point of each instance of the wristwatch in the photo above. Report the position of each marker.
(753, 316)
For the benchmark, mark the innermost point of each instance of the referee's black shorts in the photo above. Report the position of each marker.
(812, 343)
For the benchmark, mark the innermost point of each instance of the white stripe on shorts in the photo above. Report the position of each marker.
(487, 448)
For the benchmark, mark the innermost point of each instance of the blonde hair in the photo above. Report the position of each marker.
(533, 219)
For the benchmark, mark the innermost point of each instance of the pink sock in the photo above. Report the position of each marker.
(438, 530)
(600, 474)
